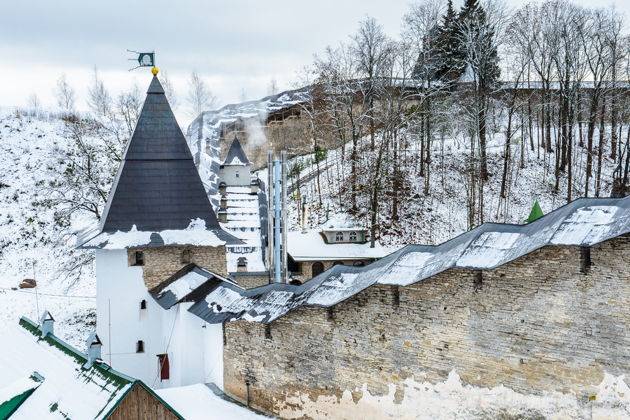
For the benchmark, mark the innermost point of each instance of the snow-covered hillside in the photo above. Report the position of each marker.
(442, 213)
(34, 241)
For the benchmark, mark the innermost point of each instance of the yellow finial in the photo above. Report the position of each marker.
(155, 71)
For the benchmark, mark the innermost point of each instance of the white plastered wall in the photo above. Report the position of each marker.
(195, 348)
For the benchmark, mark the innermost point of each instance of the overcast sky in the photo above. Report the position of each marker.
(237, 46)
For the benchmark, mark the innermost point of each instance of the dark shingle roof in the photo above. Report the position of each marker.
(158, 186)
(236, 152)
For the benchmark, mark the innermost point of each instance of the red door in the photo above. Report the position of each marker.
(163, 366)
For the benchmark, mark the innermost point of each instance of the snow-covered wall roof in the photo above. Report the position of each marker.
(584, 222)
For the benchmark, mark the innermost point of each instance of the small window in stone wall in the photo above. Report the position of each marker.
(140, 346)
(339, 236)
(268, 332)
(143, 304)
(138, 258)
(186, 256)
(237, 175)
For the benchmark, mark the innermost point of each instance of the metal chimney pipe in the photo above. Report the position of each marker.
(270, 266)
(277, 215)
(285, 272)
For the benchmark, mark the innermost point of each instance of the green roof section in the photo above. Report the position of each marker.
(99, 373)
(105, 371)
(23, 389)
(535, 214)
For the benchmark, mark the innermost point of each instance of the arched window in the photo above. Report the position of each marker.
(186, 256)
(143, 304)
(339, 237)
(140, 346)
(353, 237)
(317, 268)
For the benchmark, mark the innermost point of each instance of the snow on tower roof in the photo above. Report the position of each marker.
(236, 155)
(584, 222)
(157, 187)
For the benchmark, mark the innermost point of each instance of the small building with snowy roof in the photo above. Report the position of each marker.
(235, 170)
(157, 222)
(312, 252)
(45, 378)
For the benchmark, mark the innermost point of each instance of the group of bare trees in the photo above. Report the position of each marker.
(548, 82)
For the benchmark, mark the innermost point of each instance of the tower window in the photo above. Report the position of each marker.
(143, 304)
(339, 236)
(353, 236)
(138, 258)
(140, 346)
(186, 256)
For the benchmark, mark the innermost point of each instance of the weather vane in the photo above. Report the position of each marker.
(144, 59)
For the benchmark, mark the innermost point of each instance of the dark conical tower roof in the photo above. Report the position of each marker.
(236, 155)
(158, 186)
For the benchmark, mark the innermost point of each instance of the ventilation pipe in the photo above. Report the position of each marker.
(93, 349)
(254, 185)
(241, 264)
(47, 324)
(222, 215)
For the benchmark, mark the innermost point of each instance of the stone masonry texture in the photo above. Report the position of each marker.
(533, 325)
(162, 262)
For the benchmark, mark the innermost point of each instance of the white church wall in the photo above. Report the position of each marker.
(120, 322)
(235, 175)
(194, 348)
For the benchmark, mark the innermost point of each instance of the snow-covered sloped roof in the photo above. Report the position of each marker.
(236, 155)
(63, 388)
(187, 283)
(310, 246)
(584, 222)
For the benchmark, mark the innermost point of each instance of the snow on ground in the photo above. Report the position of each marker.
(198, 402)
(441, 214)
(31, 241)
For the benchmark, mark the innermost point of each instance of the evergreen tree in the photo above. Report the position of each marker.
(536, 213)
(478, 45)
(451, 61)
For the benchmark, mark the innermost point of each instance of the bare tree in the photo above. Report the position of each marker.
(129, 105)
(169, 91)
(34, 103)
(65, 94)
(272, 89)
(371, 48)
(200, 97)
(99, 98)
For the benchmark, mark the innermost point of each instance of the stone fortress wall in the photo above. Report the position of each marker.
(553, 321)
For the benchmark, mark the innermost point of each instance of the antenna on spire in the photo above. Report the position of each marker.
(144, 59)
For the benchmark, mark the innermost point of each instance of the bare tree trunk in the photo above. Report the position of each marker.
(589, 140)
(600, 151)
